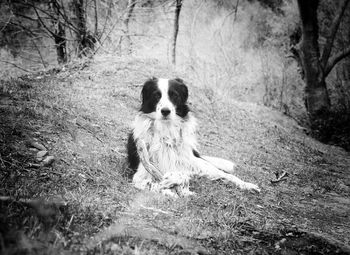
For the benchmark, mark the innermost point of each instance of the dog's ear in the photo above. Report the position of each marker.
(146, 89)
(182, 89)
(179, 80)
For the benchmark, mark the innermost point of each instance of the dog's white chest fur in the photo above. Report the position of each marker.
(169, 143)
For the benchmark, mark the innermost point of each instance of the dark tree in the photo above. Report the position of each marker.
(176, 29)
(130, 10)
(84, 38)
(316, 65)
(59, 33)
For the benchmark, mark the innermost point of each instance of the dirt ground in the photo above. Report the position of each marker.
(82, 201)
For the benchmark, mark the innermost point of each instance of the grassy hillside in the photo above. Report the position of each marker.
(83, 201)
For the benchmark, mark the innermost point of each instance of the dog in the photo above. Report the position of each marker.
(162, 147)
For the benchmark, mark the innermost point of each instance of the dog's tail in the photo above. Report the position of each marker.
(222, 164)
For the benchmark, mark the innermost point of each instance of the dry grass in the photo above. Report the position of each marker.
(82, 116)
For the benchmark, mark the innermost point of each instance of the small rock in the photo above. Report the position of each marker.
(41, 154)
(37, 145)
(48, 160)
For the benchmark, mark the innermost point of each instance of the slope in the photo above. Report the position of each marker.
(83, 201)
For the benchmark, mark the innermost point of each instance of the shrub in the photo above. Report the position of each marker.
(333, 128)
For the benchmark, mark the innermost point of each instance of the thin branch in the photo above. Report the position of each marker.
(63, 15)
(39, 52)
(96, 19)
(23, 69)
(178, 6)
(280, 177)
(108, 33)
(5, 24)
(192, 49)
(335, 59)
(236, 8)
(43, 23)
(109, 12)
(333, 30)
(129, 13)
(25, 17)
(66, 19)
(29, 31)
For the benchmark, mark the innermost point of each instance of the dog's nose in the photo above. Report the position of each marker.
(165, 111)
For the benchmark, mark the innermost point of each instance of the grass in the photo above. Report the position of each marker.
(83, 203)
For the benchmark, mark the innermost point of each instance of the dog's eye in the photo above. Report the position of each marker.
(157, 95)
(174, 96)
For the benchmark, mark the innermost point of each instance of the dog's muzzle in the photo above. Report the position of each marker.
(165, 111)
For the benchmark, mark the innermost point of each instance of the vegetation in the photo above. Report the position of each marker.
(71, 78)
(317, 66)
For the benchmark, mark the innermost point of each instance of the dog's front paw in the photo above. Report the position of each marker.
(186, 192)
(168, 183)
(171, 180)
(250, 186)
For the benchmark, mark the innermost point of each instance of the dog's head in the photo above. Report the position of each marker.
(165, 99)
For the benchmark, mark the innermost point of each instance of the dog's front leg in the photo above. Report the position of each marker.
(222, 164)
(210, 171)
(145, 160)
(163, 185)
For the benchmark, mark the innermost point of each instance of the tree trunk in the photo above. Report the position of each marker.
(127, 41)
(81, 32)
(176, 29)
(316, 94)
(61, 44)
(59, 34)
(343, 68)
(96, 19)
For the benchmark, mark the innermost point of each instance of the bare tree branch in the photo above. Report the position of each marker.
(25, 17)
(335, 59)
(107, 34)
(96, 19)
(178, 5)
(193, 24)
(39, 52)
(17, 66)
(5, 24)
(236, 8)
(66, 19)
(130, 10)
(33, 37)
(109, 13)
(333, 30)
(43, 23)
(68, 23)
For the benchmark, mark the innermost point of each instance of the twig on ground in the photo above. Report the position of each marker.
(154, 209)
(90, 131)
(70, 222)
(280, 177)
(64, 161)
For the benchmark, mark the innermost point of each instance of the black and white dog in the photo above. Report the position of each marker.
(162, 148)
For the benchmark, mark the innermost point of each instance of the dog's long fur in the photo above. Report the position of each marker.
(162, 148)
